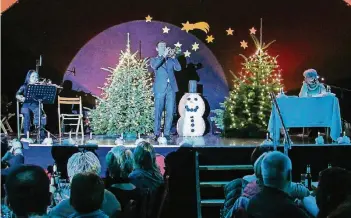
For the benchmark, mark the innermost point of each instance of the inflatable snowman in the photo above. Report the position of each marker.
(191, 109)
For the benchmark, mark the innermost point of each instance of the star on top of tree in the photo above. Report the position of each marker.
(210, 38)
(243, 44)
(178, 45)
(148, 18)
(166, 29)
(229, 31)
(253, 30)
(195, 46)
(187, 53)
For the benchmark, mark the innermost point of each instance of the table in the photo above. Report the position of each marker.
(306, 112)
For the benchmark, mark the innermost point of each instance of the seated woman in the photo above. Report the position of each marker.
(28, 108)
(311, 87)
(146, 174)
(120, 163)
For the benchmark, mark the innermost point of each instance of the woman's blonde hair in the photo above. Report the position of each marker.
(120, 162)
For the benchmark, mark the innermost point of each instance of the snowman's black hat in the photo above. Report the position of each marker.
(192, 86)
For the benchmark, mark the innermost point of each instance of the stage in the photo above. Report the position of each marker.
(42, 155)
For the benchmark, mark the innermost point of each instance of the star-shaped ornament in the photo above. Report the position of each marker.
(243, 44)
(187, 53)
(253, 30)
(166, 29)
(186, 26)
(148, 18)
(195, 46)
(178, 45)
(209, 39)
(229, 32)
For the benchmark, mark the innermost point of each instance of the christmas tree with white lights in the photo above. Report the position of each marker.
(248, 106)
(126, 104)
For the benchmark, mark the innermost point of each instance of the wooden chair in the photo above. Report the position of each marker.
(5, 125)
(71, 117)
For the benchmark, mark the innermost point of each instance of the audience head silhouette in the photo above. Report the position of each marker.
(27, 189)
(87, 192)
(276, 170)
(333, 189)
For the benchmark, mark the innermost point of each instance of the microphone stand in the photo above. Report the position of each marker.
(287, 140)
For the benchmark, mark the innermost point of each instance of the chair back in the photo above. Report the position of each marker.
(72, 101)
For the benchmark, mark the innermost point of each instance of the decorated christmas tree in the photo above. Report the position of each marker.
(247, 108)
(126, 104)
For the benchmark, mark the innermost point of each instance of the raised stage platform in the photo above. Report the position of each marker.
(42, 155)
(187, 156)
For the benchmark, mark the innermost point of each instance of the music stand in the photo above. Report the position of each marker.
(42, 94)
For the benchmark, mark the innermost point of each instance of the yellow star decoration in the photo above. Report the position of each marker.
(148, 18)
(195, 46)
(253, 30)
(210, 39)
(187, 26)
(187, 53)
(229, 31)
(166, 29)
(243, 44)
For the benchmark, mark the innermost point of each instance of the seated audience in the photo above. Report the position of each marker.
(274, 201)
(85, 162)
(333, 189)
(146, 175)
(87, 195)
(252, 184)
(120, 163)
(27, 189)
(11, 157)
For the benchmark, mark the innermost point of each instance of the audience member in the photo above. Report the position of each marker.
(274, 200)
(120, 163)
(333, 189)
(11, 157)
(85, 162)
(27, 189)
(146, 175)
(87, 195)
(240, 191)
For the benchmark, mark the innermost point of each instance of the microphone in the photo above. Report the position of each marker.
(40, 61)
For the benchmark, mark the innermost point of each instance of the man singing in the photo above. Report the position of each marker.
(165, 86)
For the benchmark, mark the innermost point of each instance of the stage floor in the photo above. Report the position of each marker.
(41, 155)
(205, 141)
